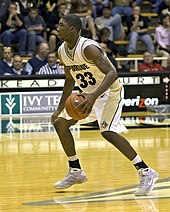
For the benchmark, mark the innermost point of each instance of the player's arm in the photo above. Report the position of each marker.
(105, 66)
(67, 90)
(96, 55)
(68, 85)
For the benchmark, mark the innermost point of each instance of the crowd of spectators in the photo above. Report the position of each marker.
(29, 28)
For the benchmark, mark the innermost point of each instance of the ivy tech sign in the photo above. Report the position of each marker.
(10, 104)
(29, 103)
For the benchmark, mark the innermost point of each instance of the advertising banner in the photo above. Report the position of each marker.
(140, 92)
(33, 103)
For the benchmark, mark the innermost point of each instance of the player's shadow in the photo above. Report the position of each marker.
(69, 192)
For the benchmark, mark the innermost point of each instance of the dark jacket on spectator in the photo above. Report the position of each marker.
(35, 63)
(143, 21)
(14, 72)
(4, 67)
(4, 19)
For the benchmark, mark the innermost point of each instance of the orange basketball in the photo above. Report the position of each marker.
(71, 103)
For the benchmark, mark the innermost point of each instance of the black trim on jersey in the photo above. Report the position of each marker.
(66, 49)
(100, 49)
(59, 55)
(88, 61)
(116, 109)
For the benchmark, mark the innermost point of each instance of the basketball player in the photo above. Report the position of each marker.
(87, 65)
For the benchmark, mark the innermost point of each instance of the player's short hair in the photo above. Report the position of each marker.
(73, 20)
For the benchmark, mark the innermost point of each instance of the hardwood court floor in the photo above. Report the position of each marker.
(32, 162)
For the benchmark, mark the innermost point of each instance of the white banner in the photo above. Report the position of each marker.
(51, 83)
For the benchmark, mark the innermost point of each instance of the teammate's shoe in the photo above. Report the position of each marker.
(148, 177)
(75, 176)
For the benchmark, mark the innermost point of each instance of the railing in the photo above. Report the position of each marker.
(136, 60)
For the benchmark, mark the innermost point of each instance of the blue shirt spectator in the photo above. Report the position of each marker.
(35, 26)
(40, 59)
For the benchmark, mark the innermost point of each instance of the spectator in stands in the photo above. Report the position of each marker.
(13, 29)
(84, 9)
(32, 3)
(98, 7)
(6, 62)
(53, 24)
(17, 67)
(52, 6)
(113, 23)
(163, 37)
(148, 64)
(122, 7)
(111, 49)
(4, 6)
(47, 7)
(108, 45)
(35, 26)
(52, 66)
(23, 6)
(138, 31)
(164, 7)
(36, 62)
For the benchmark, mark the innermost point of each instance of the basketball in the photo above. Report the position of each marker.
(71, 103)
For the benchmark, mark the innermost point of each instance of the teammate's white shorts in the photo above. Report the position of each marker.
(107, 111)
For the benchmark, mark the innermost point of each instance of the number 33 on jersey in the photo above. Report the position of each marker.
(87, 76)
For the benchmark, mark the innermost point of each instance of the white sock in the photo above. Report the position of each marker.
(73, 158)
(136, 160)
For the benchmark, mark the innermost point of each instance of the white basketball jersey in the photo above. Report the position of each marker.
(87, 76)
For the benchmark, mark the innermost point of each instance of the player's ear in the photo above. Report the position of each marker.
(72, 28)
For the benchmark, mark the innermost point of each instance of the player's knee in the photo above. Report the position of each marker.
(108, 135)
(59, 124)
(104, 134)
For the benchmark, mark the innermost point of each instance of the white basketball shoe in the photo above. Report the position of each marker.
(148, 177)
(74, 176)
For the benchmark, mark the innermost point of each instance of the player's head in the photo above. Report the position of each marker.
(69, 25)
(73, 20)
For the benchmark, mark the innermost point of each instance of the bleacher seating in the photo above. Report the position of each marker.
(146, 8)
(133, 60)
